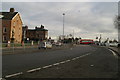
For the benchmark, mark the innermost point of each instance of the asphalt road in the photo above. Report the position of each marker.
(24, 62)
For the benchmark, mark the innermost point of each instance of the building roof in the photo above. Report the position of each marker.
(7, 15)
(41, 29)
(37, 30)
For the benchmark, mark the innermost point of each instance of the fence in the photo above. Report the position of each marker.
(27, 47)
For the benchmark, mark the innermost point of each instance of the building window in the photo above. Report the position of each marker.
(14, 24)
(4, 38)
(4, 29)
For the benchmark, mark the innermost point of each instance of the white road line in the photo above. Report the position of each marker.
(113, 53)
(38, 68)
(62, 62)
(56, 64)
(74, 59)
(87, 54)
(16, 74)
(32, 70)
(47, 66)
(67, 60)
(84, 55)
(81, 56)
(77, 57)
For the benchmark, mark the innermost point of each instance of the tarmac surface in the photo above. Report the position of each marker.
(95, 62)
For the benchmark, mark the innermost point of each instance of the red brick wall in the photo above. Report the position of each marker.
(6, 24)
(14, 24)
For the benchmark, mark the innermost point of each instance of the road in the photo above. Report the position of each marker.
(24, 62)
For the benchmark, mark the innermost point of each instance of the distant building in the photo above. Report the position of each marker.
(39, 33)
(11, 26)
(24, 32)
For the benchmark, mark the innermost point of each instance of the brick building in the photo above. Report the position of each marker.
(39, 33)
(11, 26)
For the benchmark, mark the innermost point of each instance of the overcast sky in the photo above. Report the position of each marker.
(87, 19)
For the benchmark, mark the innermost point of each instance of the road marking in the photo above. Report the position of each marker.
(81, 56)
(77, 57)
(38, 68)
(32, 70)
(62, 62)
(47, 66)
(67, 60)
(113, 53)
(56, 64)
(74, 59)
(16, 74)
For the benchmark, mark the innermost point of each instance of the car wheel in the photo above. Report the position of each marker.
(118, 45)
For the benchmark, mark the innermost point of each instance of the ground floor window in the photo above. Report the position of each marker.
(4, 38)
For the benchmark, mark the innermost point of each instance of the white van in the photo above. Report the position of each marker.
(44, 45)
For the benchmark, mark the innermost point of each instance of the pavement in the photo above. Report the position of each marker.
(31, 49)
(79, 62)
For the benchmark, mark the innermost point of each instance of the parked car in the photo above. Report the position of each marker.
(45, 45)
(102, 44)
(118, 44)
(58, 44)
(113, 44)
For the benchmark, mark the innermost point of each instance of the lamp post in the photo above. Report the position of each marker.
(63, 22)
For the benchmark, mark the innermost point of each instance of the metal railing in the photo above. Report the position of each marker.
(13, 47)
(27, 47)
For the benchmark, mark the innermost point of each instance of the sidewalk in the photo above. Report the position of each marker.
(31, 49)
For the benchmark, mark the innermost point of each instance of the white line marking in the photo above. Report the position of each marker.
(74, 59)
(113, 53)
(77, 57)
(67, 60)
(81, 56)
(16, 74)
(47, 66)
(87, 54)
(62, 62)
(38, 68)
(32, 70)
(56, 64)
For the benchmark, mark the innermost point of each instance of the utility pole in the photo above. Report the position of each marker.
(73, 33)
(63, 22)
(100, 38)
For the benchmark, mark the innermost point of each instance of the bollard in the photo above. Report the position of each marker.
(32, 43)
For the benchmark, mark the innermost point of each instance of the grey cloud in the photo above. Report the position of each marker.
(86, 17)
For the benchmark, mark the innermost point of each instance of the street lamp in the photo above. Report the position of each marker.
(63, 23)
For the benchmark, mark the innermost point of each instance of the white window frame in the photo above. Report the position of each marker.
(4, 29)
(4, 38)
(14, 23)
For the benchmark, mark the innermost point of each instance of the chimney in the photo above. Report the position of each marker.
(12, 10)
(36, 27)
(42, 27)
